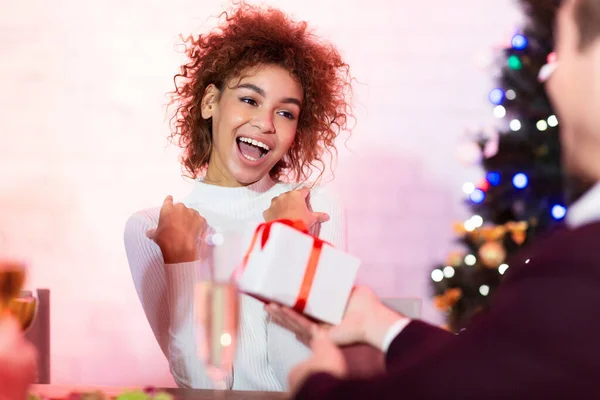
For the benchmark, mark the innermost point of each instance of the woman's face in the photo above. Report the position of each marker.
(254, 122)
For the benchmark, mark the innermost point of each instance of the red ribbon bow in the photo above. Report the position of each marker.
(313, 260)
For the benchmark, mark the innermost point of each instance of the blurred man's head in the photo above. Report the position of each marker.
(574, 87)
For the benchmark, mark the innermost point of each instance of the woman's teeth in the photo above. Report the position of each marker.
(254, 143)
(252, 149)
(249, 158)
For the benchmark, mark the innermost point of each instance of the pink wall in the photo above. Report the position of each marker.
(82, 145)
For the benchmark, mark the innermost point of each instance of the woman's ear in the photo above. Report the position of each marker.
(209, 101)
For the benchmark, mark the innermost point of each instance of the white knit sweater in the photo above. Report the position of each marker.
(265, 351)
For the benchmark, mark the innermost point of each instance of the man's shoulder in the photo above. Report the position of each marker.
(561, 238)
(563, 252)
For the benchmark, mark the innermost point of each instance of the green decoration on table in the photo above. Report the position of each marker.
(134, 395)
(129, 395)
(141, 395)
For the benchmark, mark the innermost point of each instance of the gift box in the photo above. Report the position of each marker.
(286, 265)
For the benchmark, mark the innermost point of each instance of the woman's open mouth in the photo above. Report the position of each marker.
(252, 149)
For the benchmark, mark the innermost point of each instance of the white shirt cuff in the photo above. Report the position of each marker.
(394, 331)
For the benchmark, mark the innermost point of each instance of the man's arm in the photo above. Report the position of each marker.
(530, 343)
(416, 341)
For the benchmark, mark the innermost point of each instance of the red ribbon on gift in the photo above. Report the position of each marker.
(313, 259)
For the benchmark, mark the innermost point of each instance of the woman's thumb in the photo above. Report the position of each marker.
(321, 217)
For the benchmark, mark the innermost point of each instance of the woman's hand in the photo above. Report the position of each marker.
(178, 231)
(294, 206)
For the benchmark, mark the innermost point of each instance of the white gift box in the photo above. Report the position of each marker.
(277, 272)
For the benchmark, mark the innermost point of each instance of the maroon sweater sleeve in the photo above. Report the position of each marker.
(416, 341)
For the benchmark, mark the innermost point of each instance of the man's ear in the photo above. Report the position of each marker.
(209, 101)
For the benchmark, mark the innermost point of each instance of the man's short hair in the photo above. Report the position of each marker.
(587, 18)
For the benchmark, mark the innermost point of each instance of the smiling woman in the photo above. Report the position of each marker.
(260, 99)
(254, 118)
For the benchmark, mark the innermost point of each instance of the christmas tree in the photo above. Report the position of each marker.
(524, 192)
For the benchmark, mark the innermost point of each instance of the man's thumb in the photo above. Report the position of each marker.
(150, 233)
(339, 336)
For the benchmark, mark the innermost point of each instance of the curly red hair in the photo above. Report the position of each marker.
(249, 36)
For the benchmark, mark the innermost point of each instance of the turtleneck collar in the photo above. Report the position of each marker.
(209, 193)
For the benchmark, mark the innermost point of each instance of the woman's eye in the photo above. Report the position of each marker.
(249, 100)
(287, 114)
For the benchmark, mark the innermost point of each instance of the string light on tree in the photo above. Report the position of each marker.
(483, 185)
(541, 125)
(493, 178)
(499, 111)
(551, 58)
(484, 290)
(477, 196)
(511, 94)
(470, 260)
(558, 211)
(552, 121)
(514, 62)
(514, 125)
(477, 221)
(519, 42)
(448, 271)
(437, 275)
(496, 96)
(473, 223)
(469, 227)
(502, 268)
(468, 187)
(520, 180)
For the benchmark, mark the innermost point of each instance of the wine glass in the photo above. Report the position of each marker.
(217, 305)
(24, 308)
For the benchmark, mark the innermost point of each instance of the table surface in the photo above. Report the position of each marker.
(62, 391)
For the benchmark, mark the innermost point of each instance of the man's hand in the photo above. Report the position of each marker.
(366, 320)
(327, 358)
(294, 206)
(298, 324)
(353, 329)
(178, 231)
